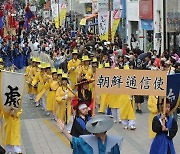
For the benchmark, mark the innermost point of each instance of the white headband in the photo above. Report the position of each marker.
(82, 106)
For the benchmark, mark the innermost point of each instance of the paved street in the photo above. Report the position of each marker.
(40, 134)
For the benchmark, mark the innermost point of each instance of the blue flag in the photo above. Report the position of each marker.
(173, 90)
(28, 13)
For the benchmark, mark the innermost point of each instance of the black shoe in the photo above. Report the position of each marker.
(138, 111)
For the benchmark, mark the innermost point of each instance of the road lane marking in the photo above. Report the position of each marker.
(56, 131)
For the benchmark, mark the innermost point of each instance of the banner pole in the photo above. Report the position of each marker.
(164, 105)
(164, 110)
(94, 105)
(94, 99)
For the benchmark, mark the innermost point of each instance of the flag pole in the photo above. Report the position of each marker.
(59, 17)
(109, 26)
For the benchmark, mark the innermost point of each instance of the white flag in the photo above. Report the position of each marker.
(103, 20)
(12, 90)
(55, 10)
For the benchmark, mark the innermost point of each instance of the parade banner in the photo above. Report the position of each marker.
(62, 14)
(173, 91)
(103, 19)
(12, 90)
(130, 82)
(55, 14)
(115, 22)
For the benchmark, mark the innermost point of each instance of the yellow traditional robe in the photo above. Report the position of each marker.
(32, 74)
(39, 80)
(12, 129)
(51, 99)
(62, 104)
(114, 101)
(73, 74)
(152, 106)
(104, 102)
(86, 71)
(126, 108)
(91, 85)
(48, 80)
(28, 78)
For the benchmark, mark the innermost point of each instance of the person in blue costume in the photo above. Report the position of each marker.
(17, 55)
(26, 54)
(79, 123)
(163, 143)
(6, 54)
(97, 143)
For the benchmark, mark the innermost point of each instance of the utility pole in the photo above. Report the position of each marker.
(109, 25)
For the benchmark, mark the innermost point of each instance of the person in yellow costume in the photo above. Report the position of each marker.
(104, 97)
(28, 68)
(94, 65)
(114, 105)
(48, 81)
(127, 113)
(98, 97)
(80, 67)
(63, 98)
(12, 129)
(72, 68)
(153, 109)
(32, 73)
(59, 80)
(51, 100)
(86, 68)
(39, 80)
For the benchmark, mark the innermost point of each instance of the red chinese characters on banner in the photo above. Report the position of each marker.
(146, 9)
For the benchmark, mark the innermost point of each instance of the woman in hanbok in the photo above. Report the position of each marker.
(165, 128)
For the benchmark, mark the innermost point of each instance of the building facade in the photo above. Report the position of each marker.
(133, 24)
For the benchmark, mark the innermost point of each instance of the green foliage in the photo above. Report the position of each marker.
(41, 3)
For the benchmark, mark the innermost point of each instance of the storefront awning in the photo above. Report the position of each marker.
(83, 21)
(147, 24)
